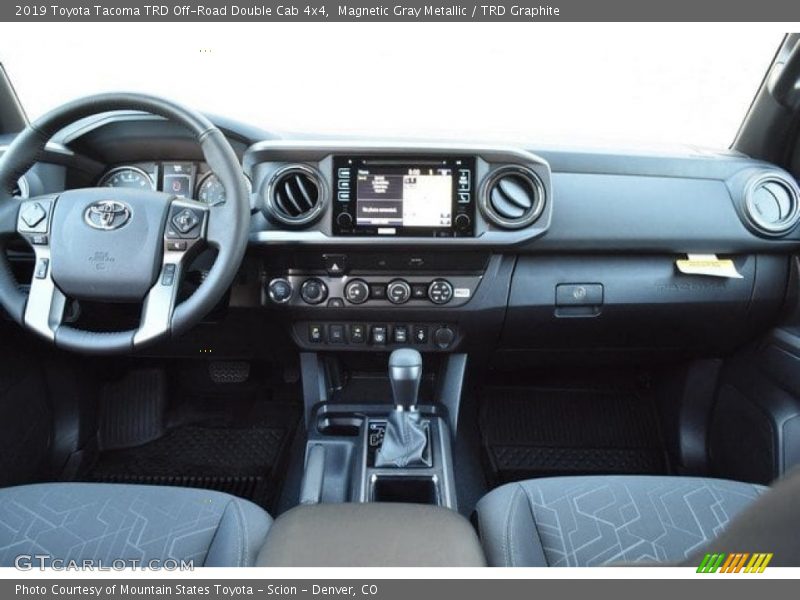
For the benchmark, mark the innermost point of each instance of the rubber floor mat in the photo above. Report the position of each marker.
(239, 461)
(530, 432)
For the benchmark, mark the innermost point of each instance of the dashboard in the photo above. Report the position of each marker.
(525, 254)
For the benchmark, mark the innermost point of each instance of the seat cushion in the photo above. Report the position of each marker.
(599, 520)
(107, 522)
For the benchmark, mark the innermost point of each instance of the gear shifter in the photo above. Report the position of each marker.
(406, 437)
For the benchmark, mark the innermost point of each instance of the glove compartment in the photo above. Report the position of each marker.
(635, 307)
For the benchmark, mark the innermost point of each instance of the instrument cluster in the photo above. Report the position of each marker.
(184, 179)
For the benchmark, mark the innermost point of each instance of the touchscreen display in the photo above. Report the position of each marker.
(404, 197)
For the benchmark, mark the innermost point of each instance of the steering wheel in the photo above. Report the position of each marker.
(119, 244)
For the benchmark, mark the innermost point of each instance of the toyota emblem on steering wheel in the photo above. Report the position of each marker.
(107, 215)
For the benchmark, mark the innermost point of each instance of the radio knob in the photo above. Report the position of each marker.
(313, 291)
(440, 291)
(463, 222)
(345, 220)
(356, 291)
(398, 291)
(280, 290)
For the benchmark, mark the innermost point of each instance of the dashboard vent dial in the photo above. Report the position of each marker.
(295, 195)
(513, 197)
(771, 204)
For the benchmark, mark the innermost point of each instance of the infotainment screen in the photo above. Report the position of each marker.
(404, 197)
(398, 196)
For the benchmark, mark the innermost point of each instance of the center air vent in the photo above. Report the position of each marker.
(771, 203)
(295, 195)
(513, 197)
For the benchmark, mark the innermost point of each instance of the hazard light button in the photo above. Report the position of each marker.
(335, 264)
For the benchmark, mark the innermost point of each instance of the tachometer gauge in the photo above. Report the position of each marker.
(127, 177)
(211, 191)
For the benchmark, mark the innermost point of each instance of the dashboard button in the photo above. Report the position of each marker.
(335, 303)
(379, 335)
(336, 334)
(356, 291)
(420, 334)
(315, 335)
(358, 334)
(440, 291)
(419, 291)
(398, 292)
(335, 264)
(377, 291)
(313, 291)
(400, 334)
(279, 290)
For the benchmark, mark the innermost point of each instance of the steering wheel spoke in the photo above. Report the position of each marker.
(44, 310)
(45, 305)
(185, 234)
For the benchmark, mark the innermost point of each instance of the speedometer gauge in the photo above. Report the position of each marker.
(127, 177)
(212, 192)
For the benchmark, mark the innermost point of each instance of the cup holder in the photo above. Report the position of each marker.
(340, 426)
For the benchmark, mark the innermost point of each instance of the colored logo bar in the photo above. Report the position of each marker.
(739, 562)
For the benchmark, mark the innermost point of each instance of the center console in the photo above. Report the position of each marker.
(390, 450)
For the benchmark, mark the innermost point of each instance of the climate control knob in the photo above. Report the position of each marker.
(280, 290)
(440, 291)
(356, 291)
(313, 291)
(398, 291)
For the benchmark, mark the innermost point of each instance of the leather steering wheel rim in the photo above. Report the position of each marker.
(225, 226)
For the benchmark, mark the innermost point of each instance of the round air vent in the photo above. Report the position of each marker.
(512, 197)
(295, 195)
(771, 203)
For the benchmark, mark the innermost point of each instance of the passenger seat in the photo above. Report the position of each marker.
(605, 520)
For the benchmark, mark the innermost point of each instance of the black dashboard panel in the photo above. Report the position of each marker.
(610, 228)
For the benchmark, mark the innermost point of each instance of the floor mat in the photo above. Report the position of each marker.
(237, 461)
(227, 437)
(530, 432)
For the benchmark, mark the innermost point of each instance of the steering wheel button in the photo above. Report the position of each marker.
(41, 268)
(185, 221)
(33, 214)
(177, 245)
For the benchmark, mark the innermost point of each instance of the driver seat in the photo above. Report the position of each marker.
(108, 522)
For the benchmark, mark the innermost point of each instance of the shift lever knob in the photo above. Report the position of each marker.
(405, 373)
